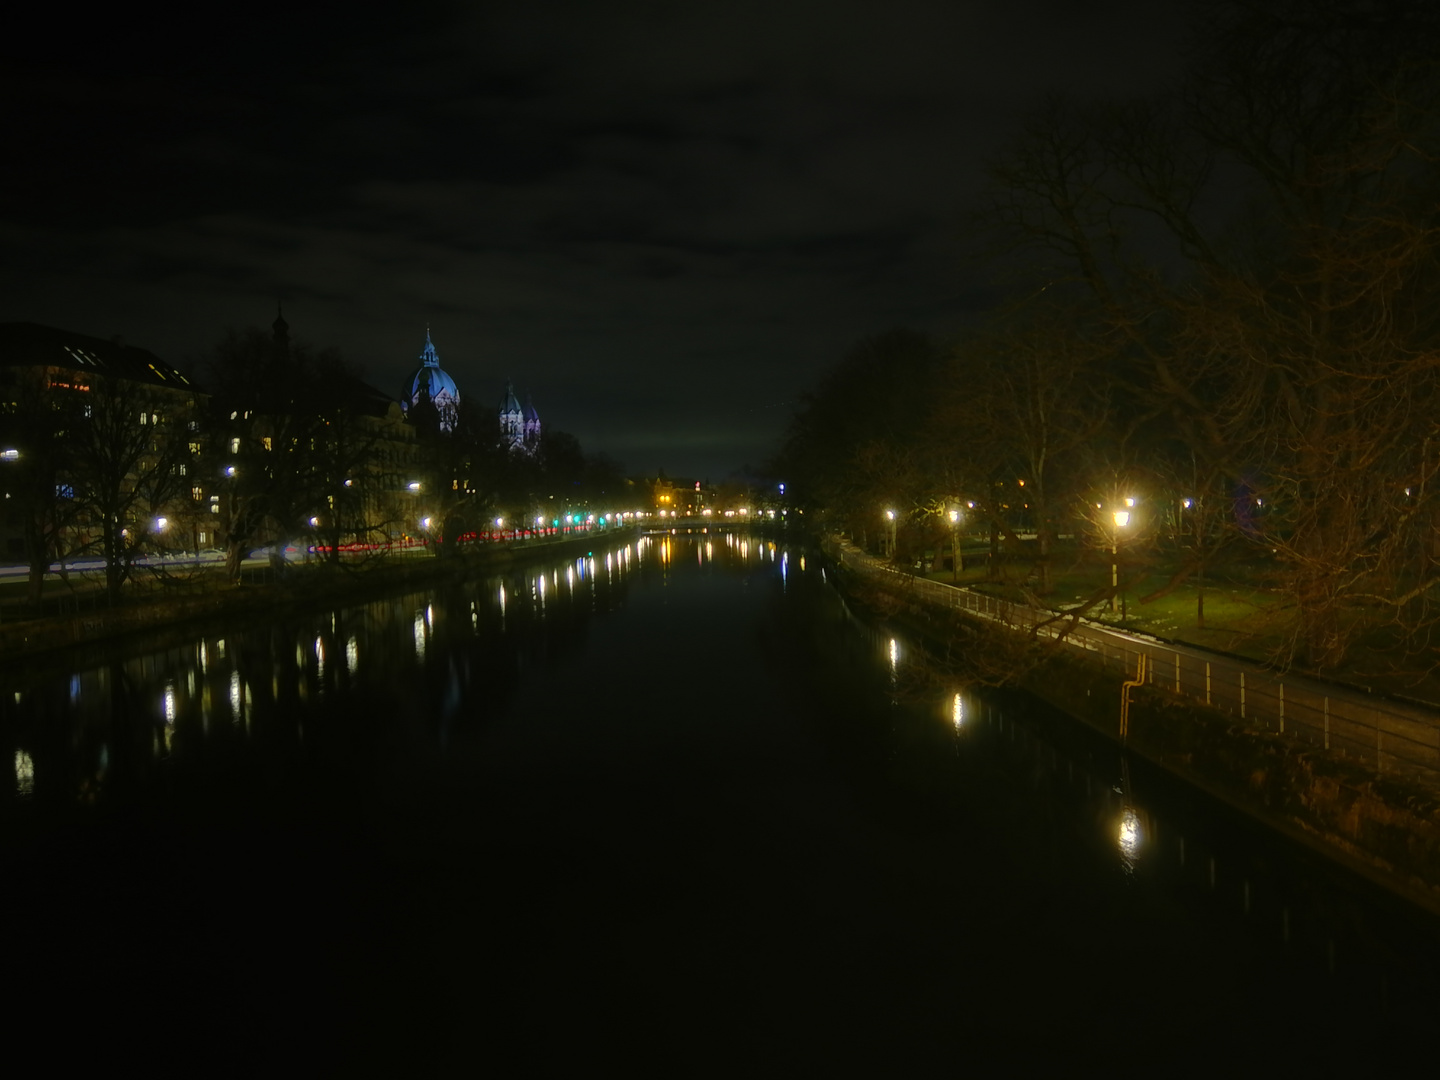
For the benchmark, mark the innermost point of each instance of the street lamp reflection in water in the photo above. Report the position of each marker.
(24, 774)
(1129, 838)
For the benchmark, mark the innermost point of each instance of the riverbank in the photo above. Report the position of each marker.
(300, 586)
(1384, 826)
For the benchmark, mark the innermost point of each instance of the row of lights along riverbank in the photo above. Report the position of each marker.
(1120, 519)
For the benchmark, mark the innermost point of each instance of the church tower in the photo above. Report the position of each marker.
(512, 420)
(519, 427)
(281, 340)
(531, 431)
(431, 384)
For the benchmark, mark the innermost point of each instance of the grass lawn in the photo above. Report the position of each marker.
(1242, 615)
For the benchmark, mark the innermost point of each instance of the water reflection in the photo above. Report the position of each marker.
(440, 665)
(1120, 824)
(1129, 838)
(24, 773)
(267, 680)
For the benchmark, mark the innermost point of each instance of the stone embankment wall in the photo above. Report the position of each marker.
(1385, 824)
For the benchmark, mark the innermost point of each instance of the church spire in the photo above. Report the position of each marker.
(282, 334)
(429, 357)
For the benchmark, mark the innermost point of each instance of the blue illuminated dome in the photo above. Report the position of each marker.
(432, 383)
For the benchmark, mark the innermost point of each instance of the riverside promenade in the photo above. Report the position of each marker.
(1354, 775)
(1384, 733)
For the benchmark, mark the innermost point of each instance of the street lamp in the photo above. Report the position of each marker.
(955, 544)
(890, 517)
(1122, 518)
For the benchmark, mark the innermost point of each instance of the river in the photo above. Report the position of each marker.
(673, 805)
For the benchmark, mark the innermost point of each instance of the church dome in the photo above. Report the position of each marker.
(433, 383)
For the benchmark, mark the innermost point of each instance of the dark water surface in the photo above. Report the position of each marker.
(671, 806)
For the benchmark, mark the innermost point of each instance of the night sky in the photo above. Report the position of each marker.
(662, 220)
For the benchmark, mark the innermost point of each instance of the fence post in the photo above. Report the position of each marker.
(1177, 673)
(1207, 682)
(1282, 708)
(1327, 723)
(1242, 695)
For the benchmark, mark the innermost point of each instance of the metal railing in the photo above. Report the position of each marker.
(1389, 735)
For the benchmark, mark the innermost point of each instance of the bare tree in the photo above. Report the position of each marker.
(37, 422)
(274, 452)
(131, 455)
(1263, 242)
(1018, 406)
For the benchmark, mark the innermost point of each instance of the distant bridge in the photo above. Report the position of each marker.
(697, 523)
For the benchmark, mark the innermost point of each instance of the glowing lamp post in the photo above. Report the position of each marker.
(1122, 518)
(890, 517)
(955, 544)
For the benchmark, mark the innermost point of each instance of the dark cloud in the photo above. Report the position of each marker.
(663, 220)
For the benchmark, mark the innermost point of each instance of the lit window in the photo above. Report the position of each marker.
(234, 446)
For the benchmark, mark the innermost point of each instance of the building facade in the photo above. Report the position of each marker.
(99, 443)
